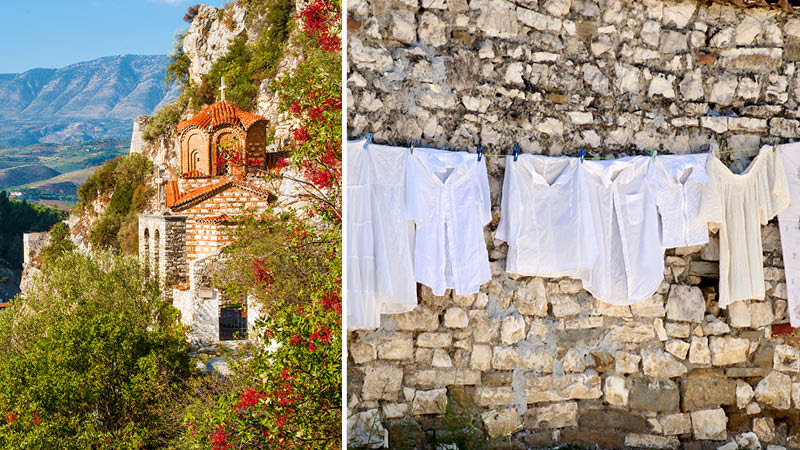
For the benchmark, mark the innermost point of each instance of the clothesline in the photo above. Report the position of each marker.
(516, 151)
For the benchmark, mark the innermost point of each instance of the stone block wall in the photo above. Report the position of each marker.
(162, 243)
(540, 360)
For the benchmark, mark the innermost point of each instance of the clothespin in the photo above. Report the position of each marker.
(655, 152)
(515, 150)
(412, 148)
(367, 140)
(480, 151)
(581, 154)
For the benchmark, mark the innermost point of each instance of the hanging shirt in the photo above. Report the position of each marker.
(545, 218)
(738, 204)
(380, 274)
(789, 221)
(447, 197)
(630, 261)
(679, 181)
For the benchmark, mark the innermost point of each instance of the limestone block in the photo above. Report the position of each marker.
(395, 410)
(685, 303)
(571, 386)
(433, 340)
(432, 31)
(748, 440)
(677, 330)
(658, 364)
(531, 298)
(441, 358)
(494, 396)
(539, 359)
(653, 395)
(764, 428)
(651, 441)
(573, 361)
(675, 424)
(678, 348)
(678, 14)
(456, 318)
(775, 390)
(744, 394)
(557, 8)
(398, 346)
(505, 358)
(633, 333)
(421, 318)
(556, 415)
(362, 352)
(728, 350)
(498, 18)
(481, 358)
(710, 424)
(441, 377)
(699, 352)
(616, 393)
(382, 382)
(433, 401)
(705, 392)
(652, 307)
(786, 358)
(626, 362)
(364, 429)
(512, 330)
(501, 422)
(739, 314)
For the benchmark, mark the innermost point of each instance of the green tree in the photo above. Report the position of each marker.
(60, 243)
(92, 358)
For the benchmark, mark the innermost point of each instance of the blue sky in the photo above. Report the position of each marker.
(56, 33)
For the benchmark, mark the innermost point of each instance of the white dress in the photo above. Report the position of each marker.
(630, 261)
(447, 197)
(789, 221)
(679, 185)
(380, 274)
(546, 218)
(738, 204)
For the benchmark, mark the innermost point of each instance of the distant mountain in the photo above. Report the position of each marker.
(20, 175)
(83, 101)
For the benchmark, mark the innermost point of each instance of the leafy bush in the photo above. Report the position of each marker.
(165, 121)
(21, 217)
(125, 178)
(92, 358)
(60, 244)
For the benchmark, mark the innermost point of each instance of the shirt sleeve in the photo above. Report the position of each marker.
(510, 203)
(778, 199)
(413, 197)
(711, 199)
(486, 198)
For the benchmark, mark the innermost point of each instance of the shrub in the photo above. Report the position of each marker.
(165, 121)
(92, 358)
(21, 217)
(191, 13)
(60, 244)
(179, 63)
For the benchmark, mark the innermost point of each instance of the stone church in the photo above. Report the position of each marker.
(196, 212)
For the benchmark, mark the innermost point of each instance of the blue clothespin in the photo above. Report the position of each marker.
(515, 150)
(581, 154)
(655, 152)
(367, 139)
(480, 151)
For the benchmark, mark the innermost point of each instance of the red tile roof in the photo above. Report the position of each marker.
(223, 112)
(210, 190)
(194, 174)
(173, 192)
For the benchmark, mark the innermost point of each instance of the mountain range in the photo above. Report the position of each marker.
(83, 101)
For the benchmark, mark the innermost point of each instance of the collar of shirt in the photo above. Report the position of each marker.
(539, 166)
(675, 168)
(618, 171)
(435, 161)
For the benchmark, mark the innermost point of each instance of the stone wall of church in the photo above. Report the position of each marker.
(540, 360)
(162, 244)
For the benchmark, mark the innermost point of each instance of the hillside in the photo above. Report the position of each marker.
(83, 101)
(20, 175)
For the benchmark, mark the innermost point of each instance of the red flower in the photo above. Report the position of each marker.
(296, 109)
(281, 163)
(249, 398)
(301, 135)
(220, 439)
(36, 420)
(11, 416)
(295, 339)
(261, 272)
(329, 43)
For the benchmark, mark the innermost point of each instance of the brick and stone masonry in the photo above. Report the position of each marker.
(537, 359)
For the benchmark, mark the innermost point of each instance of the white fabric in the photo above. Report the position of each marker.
(546, 218)
(380, 276)
(789, 221)
(679, 185)
(630, 263)
(738, 204)
(447, 197)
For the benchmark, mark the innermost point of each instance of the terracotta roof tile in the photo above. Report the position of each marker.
(209, 190)
(173, 192)
(194, 174)
(220, 113)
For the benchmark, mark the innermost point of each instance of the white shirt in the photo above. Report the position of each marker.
(630, 262)
(789, 221)
(679, 183)
(739, 204)
(447, 197)
(380, 274)
(546, 218)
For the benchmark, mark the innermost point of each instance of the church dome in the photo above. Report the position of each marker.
(221, 113)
